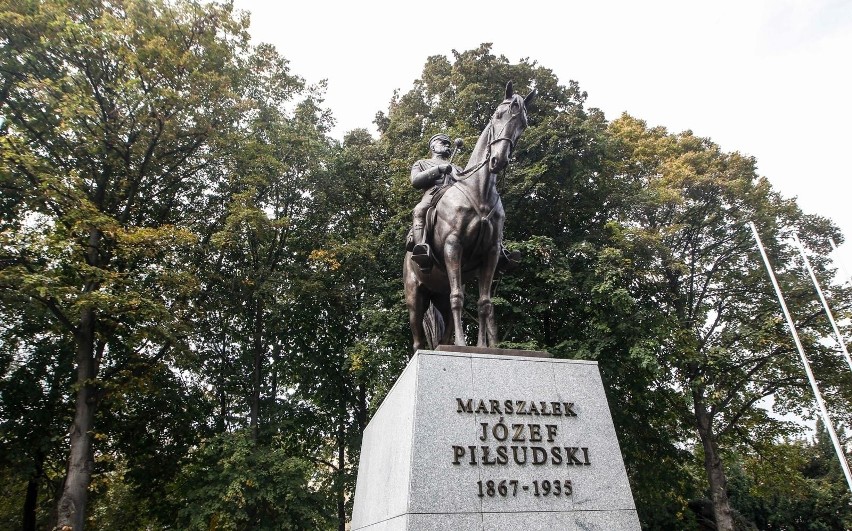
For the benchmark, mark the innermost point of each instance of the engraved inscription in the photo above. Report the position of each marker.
(509, 487)
(507, 441)
(515, 407)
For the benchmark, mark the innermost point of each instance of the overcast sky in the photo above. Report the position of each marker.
(768, 78)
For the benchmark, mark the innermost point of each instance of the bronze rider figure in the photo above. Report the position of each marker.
(428, 174)
(432, 174)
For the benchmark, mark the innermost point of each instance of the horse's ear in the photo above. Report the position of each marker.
(510, 90)
(531, 96)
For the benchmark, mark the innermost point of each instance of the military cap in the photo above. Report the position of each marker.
(436, 137)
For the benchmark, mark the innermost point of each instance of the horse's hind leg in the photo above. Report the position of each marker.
(487, 328)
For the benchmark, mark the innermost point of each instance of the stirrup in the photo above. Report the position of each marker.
(422, 256)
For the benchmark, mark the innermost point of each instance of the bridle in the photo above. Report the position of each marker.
(494, 139)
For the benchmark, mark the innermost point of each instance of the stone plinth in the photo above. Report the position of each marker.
(487, 441)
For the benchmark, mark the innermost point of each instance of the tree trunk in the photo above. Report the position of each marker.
(341, 470)
(713, 465)
(71, 508)
(31, 501)
(222, 386)
(257, 354)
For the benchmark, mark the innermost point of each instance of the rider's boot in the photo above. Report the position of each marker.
(421, 253)
(409, 241)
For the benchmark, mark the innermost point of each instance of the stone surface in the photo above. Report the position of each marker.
(493, 350)
(411, 476)
(385, 464)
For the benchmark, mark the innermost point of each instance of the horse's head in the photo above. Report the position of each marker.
(507, 124)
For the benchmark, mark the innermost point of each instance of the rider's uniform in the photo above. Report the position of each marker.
(426, 174)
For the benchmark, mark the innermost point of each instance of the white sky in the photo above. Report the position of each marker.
(768, 78)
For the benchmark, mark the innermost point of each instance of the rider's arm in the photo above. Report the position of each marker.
(424, 179)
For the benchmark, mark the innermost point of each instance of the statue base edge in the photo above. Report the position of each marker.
(495, 351)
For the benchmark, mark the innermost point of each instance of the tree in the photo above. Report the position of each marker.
(346, 341)
(694, 259)
(252, 264)
(118, 114)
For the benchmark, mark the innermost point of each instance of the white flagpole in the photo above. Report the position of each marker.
(823, 410)
(828, 313)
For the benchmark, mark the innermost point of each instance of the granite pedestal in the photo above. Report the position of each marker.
(493, 441)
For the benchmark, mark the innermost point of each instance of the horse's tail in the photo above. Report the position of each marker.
(433, 327)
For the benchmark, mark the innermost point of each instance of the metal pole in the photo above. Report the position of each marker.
(823, 410)
(822, 299)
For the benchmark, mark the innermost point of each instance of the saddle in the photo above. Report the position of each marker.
(432, 213)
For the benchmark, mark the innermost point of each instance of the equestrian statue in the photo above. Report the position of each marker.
(457, 232)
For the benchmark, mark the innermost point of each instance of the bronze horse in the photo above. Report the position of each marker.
(467, 233)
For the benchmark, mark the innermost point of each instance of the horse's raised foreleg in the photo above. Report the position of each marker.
(452, 260)
(487, 328)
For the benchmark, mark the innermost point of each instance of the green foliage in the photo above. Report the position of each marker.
(35, 372)
(116, 504)
(231, 483)
(144, 434)
(126, 122)
(696, 268)
(178, 227)
(797, 485)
